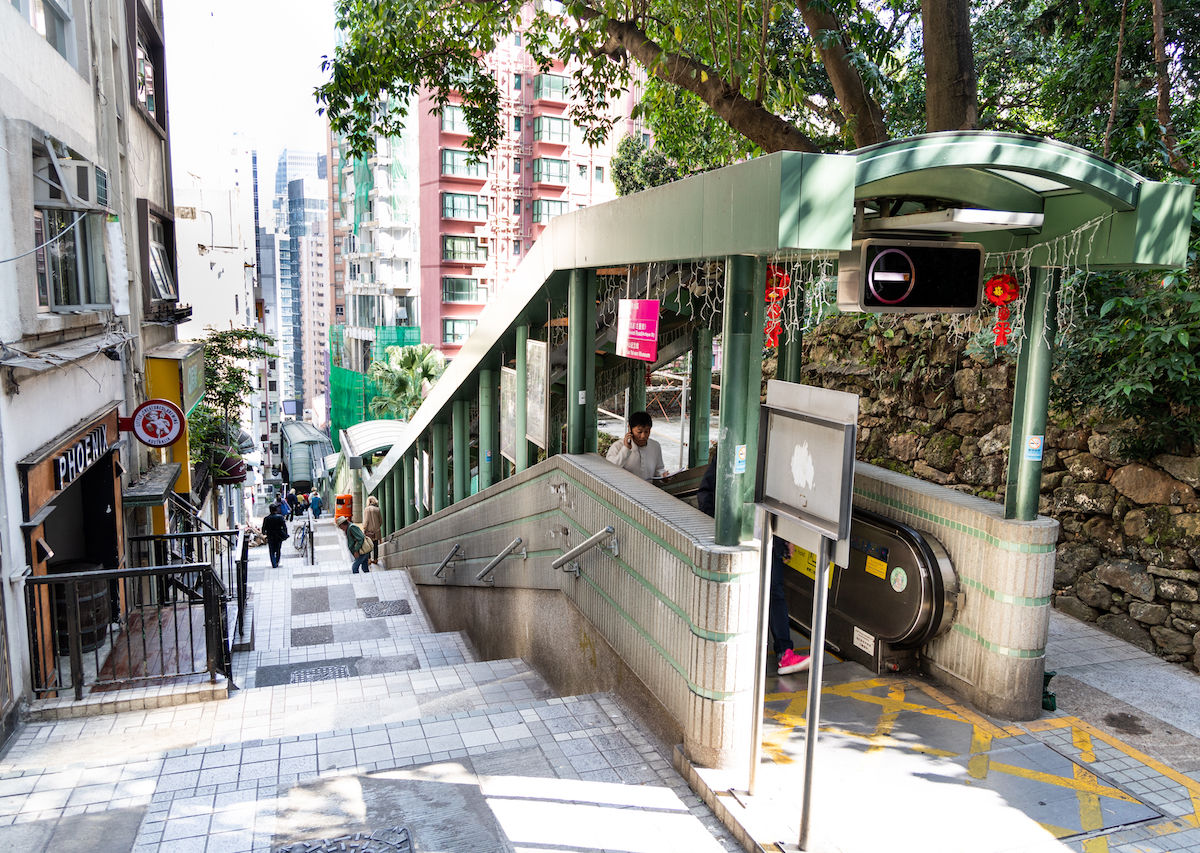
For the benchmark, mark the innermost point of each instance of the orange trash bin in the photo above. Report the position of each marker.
(343, 506)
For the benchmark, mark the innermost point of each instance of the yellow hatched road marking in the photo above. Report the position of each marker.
(889, 711)
(977, 764)
(1090, 816)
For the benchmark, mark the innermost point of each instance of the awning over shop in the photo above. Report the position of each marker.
(153, 488)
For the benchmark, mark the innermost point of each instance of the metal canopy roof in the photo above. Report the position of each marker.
(793, 202)
(370, 437)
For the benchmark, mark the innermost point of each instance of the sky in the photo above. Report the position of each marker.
(249, 67)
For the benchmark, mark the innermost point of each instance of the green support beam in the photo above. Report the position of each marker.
(462, 449)
(522, 420)
(753, 399)
(397, 479)
(410, 509)
(385, 497)
(1031, 397)
(591, 431)
(489, 426)
(737, 335)
(578, 344)
(700, 406)
(637, 388)
(440, 459)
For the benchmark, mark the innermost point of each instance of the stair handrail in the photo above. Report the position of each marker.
(448, 558)
(487, 570)
(570, 560)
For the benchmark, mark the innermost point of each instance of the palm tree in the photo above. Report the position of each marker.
(404, 377)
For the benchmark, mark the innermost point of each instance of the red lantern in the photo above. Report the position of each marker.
(777, 290)
(1000, 290)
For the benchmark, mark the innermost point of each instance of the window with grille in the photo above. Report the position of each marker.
(551, 129)
(463, 289)
(546, 209)
(463, 249)
(458, 163)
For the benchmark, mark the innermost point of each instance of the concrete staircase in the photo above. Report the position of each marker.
(353, 718)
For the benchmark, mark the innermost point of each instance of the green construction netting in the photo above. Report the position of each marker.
(395, 336)
(337, 352)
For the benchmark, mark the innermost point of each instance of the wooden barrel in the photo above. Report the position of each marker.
(94, 614)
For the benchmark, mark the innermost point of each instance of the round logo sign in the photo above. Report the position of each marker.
(157, 423)
(899, 579)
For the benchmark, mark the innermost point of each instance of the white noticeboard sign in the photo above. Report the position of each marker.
(537, 389)
(508, 414)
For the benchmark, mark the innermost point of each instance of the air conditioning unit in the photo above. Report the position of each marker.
(87, 183)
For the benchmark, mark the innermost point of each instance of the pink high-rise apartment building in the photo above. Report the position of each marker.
(479, 219)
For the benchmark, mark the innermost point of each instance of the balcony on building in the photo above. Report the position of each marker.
(551, 133)
(551, 88)
(453, 120)
(457, 164)
(463, 290)
(552, 171)
(463, 249)
(464, 207)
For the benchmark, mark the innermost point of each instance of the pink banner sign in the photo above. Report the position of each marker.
(637, 329)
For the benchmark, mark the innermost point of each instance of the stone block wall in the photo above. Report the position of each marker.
(1128, 555)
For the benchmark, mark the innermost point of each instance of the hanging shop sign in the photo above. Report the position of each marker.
(80, 456)
(157, 423)
(637, 329)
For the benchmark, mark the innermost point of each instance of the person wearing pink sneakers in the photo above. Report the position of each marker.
(787, 659)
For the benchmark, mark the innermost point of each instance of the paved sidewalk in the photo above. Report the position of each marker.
(352, 717)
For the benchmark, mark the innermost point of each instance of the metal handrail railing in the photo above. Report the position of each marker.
(446, 561)
(570, 559)
(487, 570)
(74, 613)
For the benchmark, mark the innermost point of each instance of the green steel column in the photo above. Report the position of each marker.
(578, 344)
(754, 375)
(1031, 397)
(410, 509)
(440, 461)
(736, 343)
(591, 431)
(637, 388)
(489, 426)
(462, 450)
(384, 494)
(700, 405)
(522, 422)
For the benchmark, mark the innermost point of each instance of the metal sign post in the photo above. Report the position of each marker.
(805, 484)
(813, 717)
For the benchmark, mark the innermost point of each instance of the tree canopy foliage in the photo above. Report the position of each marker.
(214, 424)
(404, 376)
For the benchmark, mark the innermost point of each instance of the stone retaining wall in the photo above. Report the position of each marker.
(1128, 556)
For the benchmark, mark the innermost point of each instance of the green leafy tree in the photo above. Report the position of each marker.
(404, 377)
(637, 167)
(751, 71)
(214, 424)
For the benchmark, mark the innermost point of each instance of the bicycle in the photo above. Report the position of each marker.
(303, 541)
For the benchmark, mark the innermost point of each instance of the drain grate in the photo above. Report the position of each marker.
(394, 840)
(319, 673)
(398, 607)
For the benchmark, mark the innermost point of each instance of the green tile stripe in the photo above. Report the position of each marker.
(702, 633)
(996, 647)
(1005, 598)
(702, 692)
(1002, 544)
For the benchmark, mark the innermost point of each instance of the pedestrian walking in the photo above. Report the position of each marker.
(274, 528)
(356, 543)
(373, 526)
(314, 503)
(284, 506)
(637, 451)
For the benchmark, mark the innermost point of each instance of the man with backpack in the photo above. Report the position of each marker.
(358, 543)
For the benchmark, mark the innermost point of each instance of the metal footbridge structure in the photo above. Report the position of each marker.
(662, 605)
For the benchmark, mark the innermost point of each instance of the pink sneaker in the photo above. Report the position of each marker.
(792, 662)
